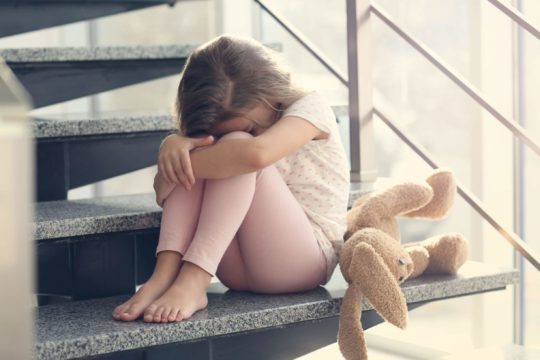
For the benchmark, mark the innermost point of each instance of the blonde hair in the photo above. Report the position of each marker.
(227, 75)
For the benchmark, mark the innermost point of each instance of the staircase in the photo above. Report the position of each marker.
(92, 253)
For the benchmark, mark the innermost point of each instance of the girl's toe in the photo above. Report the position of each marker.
(179, 316)
(157, 314)
(118, 310)
(129, 312)
(149, 312)
(165, 315)
(172, 314)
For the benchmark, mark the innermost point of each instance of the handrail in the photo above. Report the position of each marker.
(308, 45)
(516, 129)
(517, 17)
(510, 236)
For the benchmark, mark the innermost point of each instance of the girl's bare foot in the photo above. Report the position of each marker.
(167, 268)
(186, 295)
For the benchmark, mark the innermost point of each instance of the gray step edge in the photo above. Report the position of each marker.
(101, 53)
(86, 1)
(83, 328)
(65, 218)
(113, 122)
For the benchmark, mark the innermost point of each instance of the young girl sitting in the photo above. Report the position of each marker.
(264, 207)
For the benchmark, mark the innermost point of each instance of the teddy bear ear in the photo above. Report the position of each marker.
(377, 283)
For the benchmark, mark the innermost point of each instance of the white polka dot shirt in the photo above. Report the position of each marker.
(318, 176)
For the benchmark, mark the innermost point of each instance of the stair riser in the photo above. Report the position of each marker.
(67, 163)
(94, 266)
(20, 17)
(53, 82)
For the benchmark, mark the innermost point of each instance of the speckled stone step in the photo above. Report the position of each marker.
(99, 53)
(85, 328)
(21, 16)
(34, 55)
(56, 74)
(81, 124)
(68, 218)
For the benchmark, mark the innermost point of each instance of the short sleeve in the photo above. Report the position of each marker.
(313, 108)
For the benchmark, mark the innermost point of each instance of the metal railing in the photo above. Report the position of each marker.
(512, 237)
(459, 80)
(360, 124)
(357, 18)
(517, 17)
(361, 117)
(304, 41)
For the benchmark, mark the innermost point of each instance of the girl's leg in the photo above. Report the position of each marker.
(274, 250)
(225, 207)
(178, 223)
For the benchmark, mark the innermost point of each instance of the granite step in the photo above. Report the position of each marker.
(55, 74)
(236, 321)
(53, 127)
(99, 247)
(72, 126)
(71, 218)
(77, 149)
(18, 16)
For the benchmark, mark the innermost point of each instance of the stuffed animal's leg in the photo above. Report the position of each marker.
(420, 258)
(446, 254)
(444, 188)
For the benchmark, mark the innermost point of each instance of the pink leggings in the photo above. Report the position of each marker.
(249, 227)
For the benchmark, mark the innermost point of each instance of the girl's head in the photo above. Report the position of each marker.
(233, 83)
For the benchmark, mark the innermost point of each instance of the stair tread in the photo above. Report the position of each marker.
(95, 53)
(93, 1)
(109, 122)
(100, 53)
(63, 218)
(86, 327)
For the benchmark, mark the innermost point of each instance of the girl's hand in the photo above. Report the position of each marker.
(174, 161)
(162, 189)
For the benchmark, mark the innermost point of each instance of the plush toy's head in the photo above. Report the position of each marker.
(391, 259)
(374, 262)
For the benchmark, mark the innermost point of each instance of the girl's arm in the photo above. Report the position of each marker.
(223, 159)
(239, 156)
(226, 158)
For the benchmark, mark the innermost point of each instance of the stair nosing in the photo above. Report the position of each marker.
(61, 54)
(139, 211)
(95, 53)
(114, 122)
(245, 311)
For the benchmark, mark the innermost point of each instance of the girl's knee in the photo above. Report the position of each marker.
(235, 135)
(198, 148)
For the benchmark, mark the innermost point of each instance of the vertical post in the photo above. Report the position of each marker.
(359, 53)
(518, 168)
(16, 219)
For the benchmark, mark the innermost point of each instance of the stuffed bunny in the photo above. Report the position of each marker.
(374, 262)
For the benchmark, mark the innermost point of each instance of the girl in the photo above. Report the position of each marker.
(264, 207)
